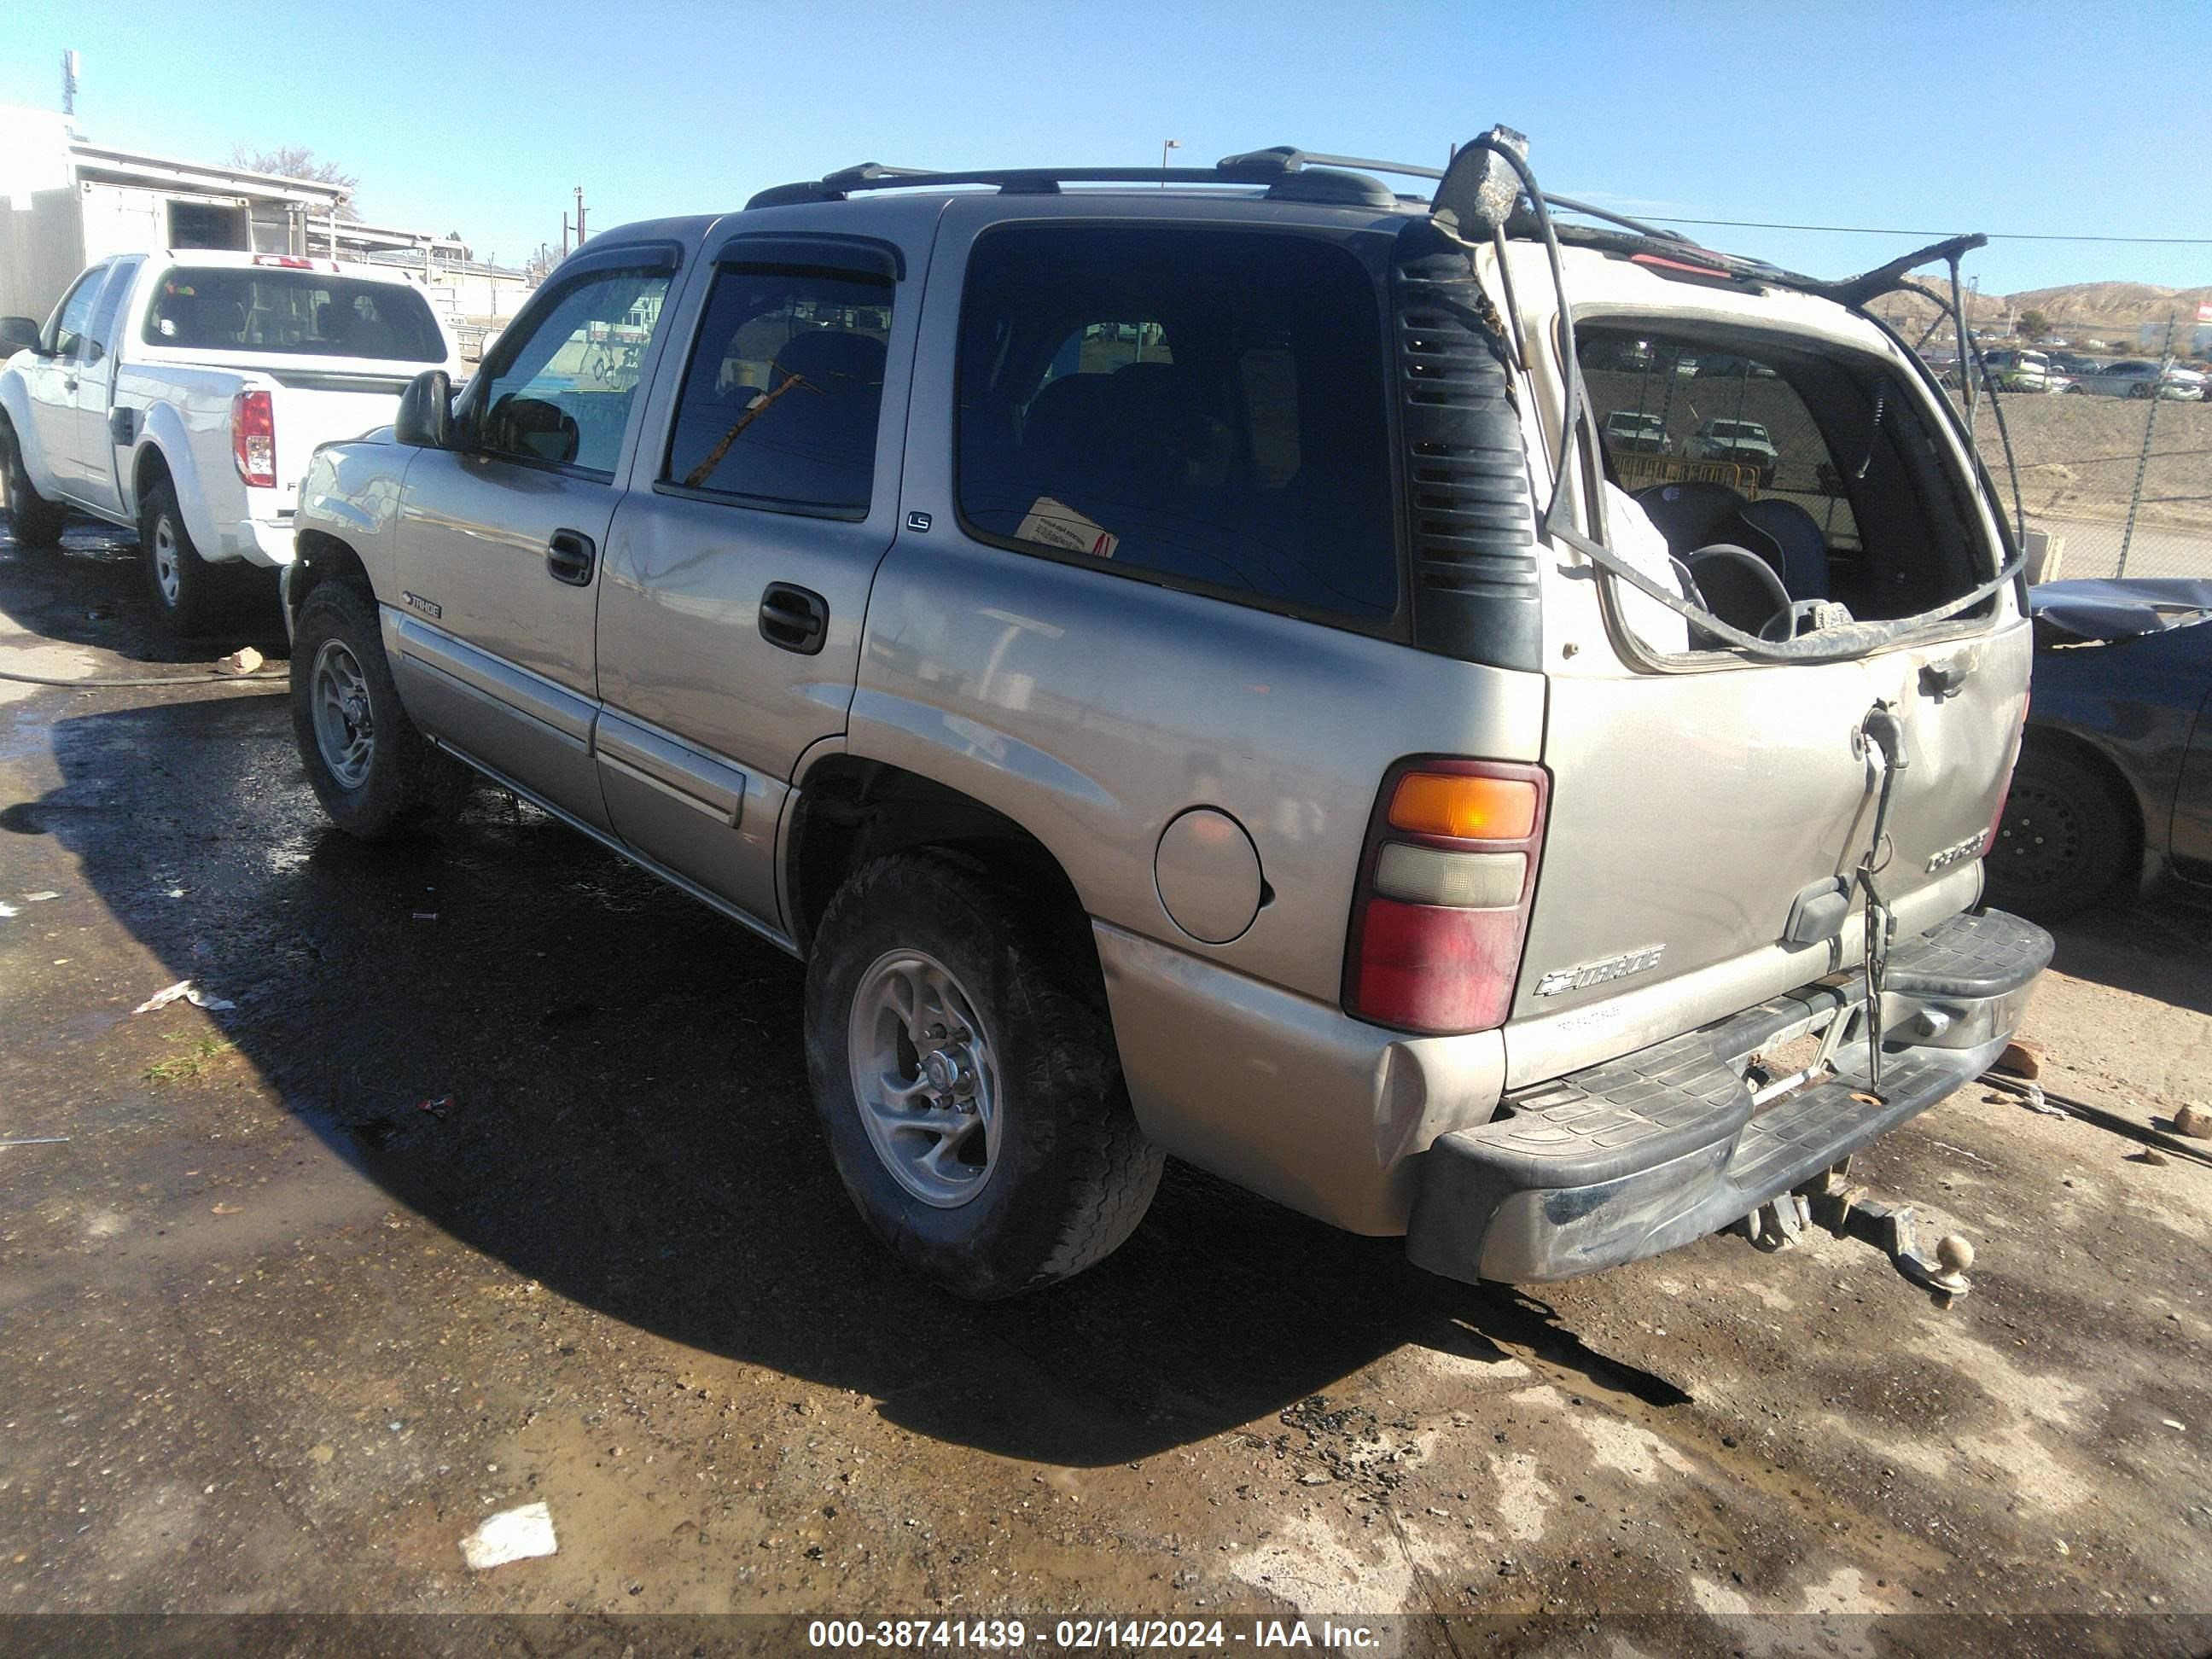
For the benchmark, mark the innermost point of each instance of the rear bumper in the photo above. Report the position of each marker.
(1662, 1146)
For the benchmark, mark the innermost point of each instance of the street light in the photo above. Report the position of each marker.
(1166, 144)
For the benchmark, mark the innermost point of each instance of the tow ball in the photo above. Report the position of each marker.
(1832, 1202)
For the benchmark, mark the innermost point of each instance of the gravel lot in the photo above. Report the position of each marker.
(278, 1337)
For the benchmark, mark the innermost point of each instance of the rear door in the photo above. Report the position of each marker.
(500, 537)
(98, 356)
(1695, 809)
(737, 574)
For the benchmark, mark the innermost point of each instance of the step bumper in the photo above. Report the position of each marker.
(1662, 1146)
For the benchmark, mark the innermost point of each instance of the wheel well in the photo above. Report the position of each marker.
(2094, 761)
(152, 467)
(322, 558)
(852, 811)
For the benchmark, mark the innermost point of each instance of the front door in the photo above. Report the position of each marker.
(53, 384)
(501, 537)
(737, 581)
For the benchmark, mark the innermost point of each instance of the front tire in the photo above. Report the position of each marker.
(967, 1080)
(182, 585)
(32, 520)
(374, 772)
(2065, 842)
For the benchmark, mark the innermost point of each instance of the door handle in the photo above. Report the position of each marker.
(570, 556)
(794, 618)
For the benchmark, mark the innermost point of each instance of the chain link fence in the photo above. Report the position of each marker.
(2111, 439)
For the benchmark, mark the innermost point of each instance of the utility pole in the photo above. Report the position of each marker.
(579, 225)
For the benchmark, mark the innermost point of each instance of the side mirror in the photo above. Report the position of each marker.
(426, 411)
(18, 334)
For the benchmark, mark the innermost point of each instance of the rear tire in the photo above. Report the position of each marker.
(32, 520)
(968, 1082)
(183, 585)
(2065, 842)
(373, 771)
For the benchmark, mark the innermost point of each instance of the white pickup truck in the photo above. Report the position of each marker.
(181, 394)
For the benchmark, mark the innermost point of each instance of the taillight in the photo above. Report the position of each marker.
(253, 438)
(1445, 882)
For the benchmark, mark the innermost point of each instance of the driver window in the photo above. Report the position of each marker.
(74, 317)
(562, 396)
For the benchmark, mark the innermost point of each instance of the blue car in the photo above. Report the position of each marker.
(2114, 784)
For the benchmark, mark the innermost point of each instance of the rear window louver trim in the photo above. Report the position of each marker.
(1472, 527)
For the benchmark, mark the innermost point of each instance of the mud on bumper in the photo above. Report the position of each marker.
(1662, 1146)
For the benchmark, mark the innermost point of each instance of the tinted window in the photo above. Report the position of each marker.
(780, 403)
(261, 309)
(74, 316)
(562, 391)
(1204, 404)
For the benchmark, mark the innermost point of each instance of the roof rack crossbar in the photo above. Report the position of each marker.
(871, 176)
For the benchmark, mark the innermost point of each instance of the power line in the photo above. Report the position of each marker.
(1994, 235)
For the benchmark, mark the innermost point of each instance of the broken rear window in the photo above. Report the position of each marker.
(1815, 458)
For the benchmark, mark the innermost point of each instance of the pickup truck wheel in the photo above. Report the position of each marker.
(2064, 842)
(373, 771)
(32, 520)
(966, 1083)
(182, 585)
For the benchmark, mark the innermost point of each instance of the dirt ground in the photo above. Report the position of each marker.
(499, 1185)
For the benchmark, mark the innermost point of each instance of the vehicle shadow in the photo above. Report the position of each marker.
(573, 1068)
(2158, 946)
(91, 592)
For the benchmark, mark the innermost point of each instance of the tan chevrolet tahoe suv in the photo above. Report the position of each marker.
(1174, 654)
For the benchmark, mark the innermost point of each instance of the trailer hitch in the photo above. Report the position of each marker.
(1832, 1202)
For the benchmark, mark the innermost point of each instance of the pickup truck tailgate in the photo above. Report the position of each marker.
(317, 408)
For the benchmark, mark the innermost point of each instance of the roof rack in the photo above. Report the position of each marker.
(1287, 173)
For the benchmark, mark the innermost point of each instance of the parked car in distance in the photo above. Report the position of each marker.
(1745, 442)
(179, 394)
(2018, 371)
(2114, 783)
(1135, 777)
(2139, 377)
(1639, 430)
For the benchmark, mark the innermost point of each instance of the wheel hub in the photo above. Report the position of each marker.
(951, 1073)
(345, 725)
(924, 1078)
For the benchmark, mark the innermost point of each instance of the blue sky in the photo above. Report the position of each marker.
(481, 117)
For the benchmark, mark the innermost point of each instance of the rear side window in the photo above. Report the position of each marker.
(1203, 406)
(301, 312)
(100, 338)
(780, 405)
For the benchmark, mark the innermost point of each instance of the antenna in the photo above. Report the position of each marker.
(71, 63)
